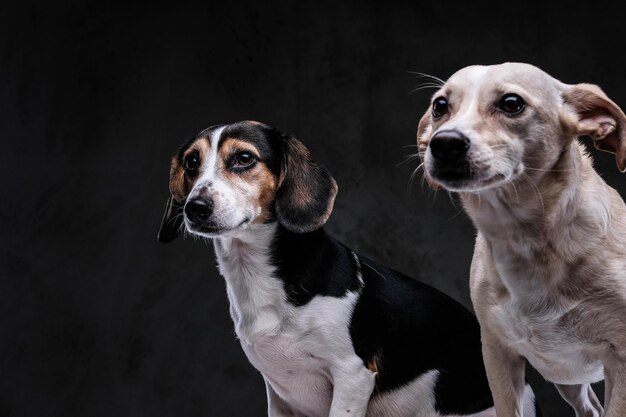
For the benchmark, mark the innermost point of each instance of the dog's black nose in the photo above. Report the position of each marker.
(449, 146)
(199, 209)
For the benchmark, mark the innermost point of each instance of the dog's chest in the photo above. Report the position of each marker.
(294, 370)
(550, 343)
(292, 346)
(296, 357)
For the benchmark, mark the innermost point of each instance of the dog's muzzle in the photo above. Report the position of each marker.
(449, 150)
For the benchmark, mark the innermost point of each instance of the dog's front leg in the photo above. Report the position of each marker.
(582, 399)
(505, 372)
(353, 384)
(276, 406)
(615, 390)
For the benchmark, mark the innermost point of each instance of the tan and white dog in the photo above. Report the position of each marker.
(548, 276)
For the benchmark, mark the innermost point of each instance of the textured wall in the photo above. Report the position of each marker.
(96, 317)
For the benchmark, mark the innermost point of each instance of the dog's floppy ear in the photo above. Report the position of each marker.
(173, 216)
(424, 129)
(306, 191)
(600, 118)
(172, 220)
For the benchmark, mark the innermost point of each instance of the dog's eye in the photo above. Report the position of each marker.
(243, 160)
(192, 163)
(440, 107)
(512, 104)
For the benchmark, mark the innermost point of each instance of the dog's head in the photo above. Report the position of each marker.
(229, 177)
(488, 125)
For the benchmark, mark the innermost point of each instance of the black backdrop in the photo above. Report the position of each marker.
(96, 317)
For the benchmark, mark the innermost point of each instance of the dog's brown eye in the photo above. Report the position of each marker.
(440, 107)
(192, 163)
(243, 160)
(511, 104)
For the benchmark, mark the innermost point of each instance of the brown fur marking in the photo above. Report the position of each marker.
(180, 184)
(259, 175)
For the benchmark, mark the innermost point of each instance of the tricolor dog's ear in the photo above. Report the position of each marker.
(424, 130)
(172, 220)
(173, 216)
(306, 191)
(600, 118)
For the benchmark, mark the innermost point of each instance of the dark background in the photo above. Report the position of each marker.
(96, 317)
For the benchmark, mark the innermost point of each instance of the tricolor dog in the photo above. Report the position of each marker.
(548, 277)
(333, 333)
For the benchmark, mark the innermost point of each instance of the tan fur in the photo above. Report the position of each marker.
(267, 191)
(300, 196)
(178, 184)
(259, 182)
(600, 118)
(373, 365)
(307, 191)
(548, 276)
(181, 184)
(233, 145)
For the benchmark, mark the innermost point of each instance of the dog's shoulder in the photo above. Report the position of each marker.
(314, 264)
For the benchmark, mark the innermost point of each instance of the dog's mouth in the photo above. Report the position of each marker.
(474, 185)
(210, 229)
(452, 173)
(467, 180)
(467, 175)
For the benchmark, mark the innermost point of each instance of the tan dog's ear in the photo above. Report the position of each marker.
(424, 129)
(306, 194)
(600, 118)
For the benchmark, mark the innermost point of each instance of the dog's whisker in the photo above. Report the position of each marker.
(459, 210)
(423, 87)
(451, 198)
(515, 189)
(408, 158)
(412, 177)
(431, 77)
(428, 84)
(409, 184)
(536, 189)
(548, 169)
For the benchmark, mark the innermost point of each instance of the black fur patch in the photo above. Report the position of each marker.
(267, 140)
(311, 264)
(411, 328)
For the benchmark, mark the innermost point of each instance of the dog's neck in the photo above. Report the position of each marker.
(269, 271)
(256, 297)
(539, 225)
